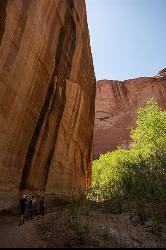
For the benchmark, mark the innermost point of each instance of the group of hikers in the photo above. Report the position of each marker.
(29, 208)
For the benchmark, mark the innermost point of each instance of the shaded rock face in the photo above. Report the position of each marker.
(47, 97)
(116, 108)
(3, 5)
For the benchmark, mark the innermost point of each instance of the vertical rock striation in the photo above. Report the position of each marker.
(3, 4)
(116, 106)
(47, 98)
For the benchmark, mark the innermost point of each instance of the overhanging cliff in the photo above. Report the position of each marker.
(47, 98)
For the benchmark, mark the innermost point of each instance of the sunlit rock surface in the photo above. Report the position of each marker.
(47, 98)
(116, 106)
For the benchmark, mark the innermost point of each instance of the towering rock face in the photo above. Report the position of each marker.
(47, 98)
(116, 108)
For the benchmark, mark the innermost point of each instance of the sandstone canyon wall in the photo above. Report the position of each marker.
(116, 106)
(47, 98)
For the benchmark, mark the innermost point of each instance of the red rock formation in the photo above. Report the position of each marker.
(116, 106)
(47, 95)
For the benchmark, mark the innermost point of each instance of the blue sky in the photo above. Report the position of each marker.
(128, 37)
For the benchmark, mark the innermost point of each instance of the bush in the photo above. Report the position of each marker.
(138, 173)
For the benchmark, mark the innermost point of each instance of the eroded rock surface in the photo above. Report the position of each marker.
(116, 106)
(47, 95)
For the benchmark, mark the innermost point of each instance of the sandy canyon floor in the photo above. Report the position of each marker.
(88, 227)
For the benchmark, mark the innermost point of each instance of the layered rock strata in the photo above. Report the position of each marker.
(47, 98)
(116, 108)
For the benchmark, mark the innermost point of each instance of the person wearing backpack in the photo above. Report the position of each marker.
(23, 204)
(41, 207)
(31, 207)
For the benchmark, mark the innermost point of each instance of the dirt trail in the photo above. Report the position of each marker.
(79, 228)
(14, 236)
(54, 230)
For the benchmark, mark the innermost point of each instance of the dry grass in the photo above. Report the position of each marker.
(91, 225)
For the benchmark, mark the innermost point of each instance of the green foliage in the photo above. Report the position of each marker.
(138, 173)
(150, 134)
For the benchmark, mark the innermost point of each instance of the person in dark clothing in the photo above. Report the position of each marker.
(31, 207)
(30, 214)
(41, 207)
(35, 210)
(23, 203)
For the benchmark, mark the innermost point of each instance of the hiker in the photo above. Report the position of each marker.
(41, 207)
(30, 208)
(27, 209)
(35, 210)
(23, 203)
